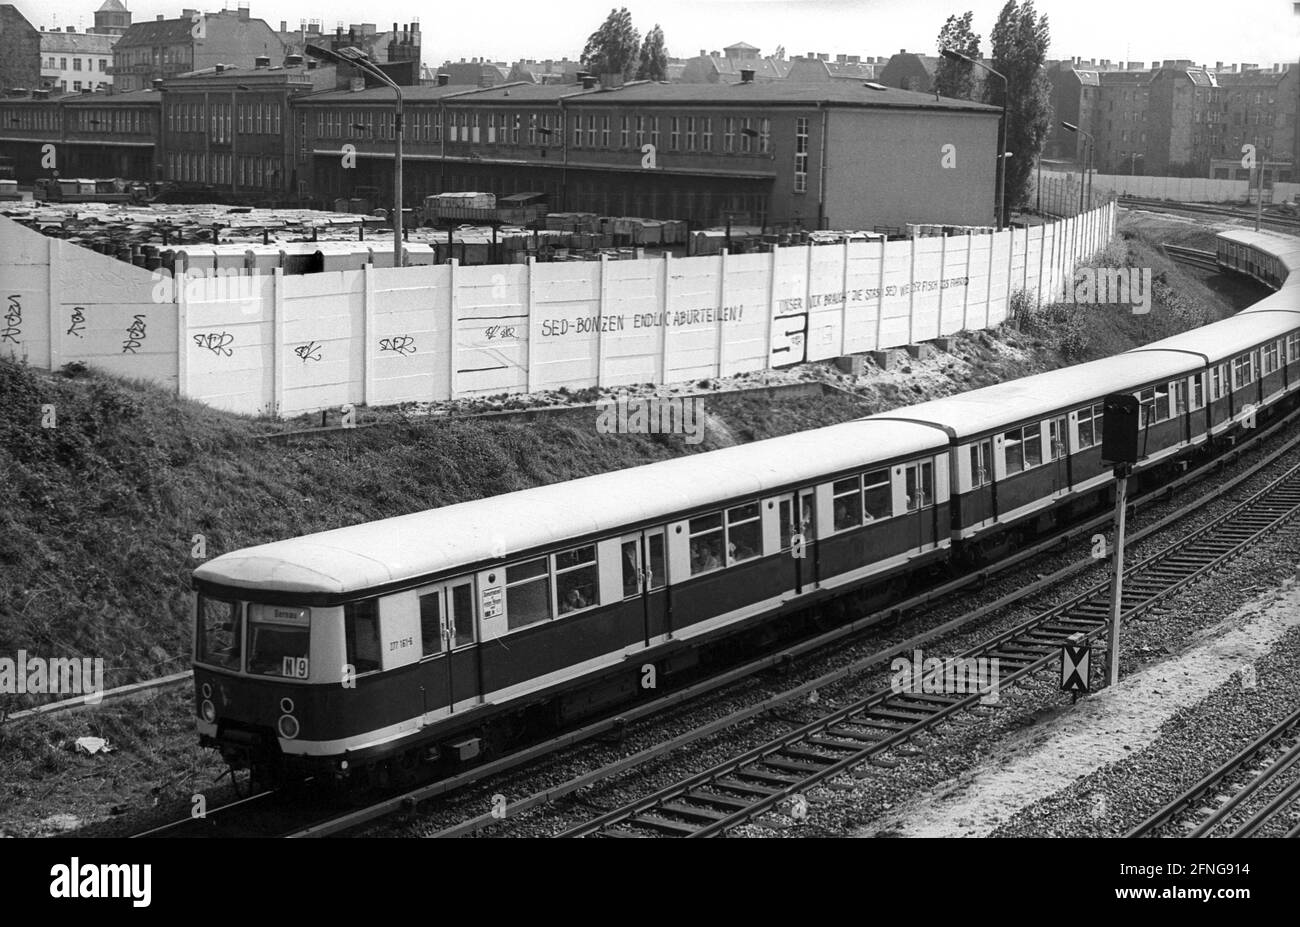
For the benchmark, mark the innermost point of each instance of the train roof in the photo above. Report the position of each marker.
(395, 550)
(1286, 248)
(1002, 405)
(1219, 341)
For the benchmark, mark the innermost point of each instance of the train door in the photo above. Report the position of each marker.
(450, 608)
(918, 489)
(796, 544)
(981, 505)
(807, 565)
(645, 574)
(1058, 445)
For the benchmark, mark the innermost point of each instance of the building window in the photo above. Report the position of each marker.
(675, 134)
(746, 138)
(577, 131)
(654, 131)
(706, 133)
(800, 154)
(640, 131)
(690, 133)
(622, 132)
(764, 136)
(591, 131)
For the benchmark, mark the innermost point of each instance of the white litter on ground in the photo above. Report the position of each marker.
(1103, 728)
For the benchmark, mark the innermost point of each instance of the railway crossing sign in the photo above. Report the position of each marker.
(1075, 664)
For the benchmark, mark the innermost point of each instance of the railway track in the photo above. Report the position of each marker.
(1283, 223)
(1193, 257)
(224, 821)
(761, 779)
(1242, 796)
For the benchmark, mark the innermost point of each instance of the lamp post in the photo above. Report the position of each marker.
(1087, 170)
(361, 61)
(1002, 124)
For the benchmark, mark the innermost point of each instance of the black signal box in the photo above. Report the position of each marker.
(1119, 429)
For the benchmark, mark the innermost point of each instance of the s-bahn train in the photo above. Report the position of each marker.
(1270, 258)
(435, 637)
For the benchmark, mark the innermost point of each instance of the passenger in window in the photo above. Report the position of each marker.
(573, 600)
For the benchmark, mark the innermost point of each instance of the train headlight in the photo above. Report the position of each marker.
(288, 726)
(207, 710)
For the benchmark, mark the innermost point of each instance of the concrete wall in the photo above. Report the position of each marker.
(276, 344)
(1180, 189)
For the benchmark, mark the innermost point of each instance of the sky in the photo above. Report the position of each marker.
(1258, 31)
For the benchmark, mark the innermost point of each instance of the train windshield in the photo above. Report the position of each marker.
(279, 641)
(218, 632)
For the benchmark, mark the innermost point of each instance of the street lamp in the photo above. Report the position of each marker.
(361, 61)
(1002, 123)
(1087, 170)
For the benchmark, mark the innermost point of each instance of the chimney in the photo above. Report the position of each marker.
(293, 61)
(843, 59)
(443, 79)
(704, 54)
(312, 64)
(1218, 66)
(70, 29)
(588, 82)
(221, 67)
(284, 27)
(261, 61)
(822, 56)
(159, 17)
(157, 83)
(243, 14)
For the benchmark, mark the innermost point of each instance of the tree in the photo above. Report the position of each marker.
(654, 56)
(613, 48)
(956, 78)
(1020, 39)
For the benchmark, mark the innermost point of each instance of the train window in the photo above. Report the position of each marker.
(1056, 449)
(785, 515)
(361, 631)
(1293, 347)
(706, 543)
(1177, 397)
(1270, 358)
(744, 533)
(1090, 426)
(431, 623)
(848, 503)
(1243, 371)
(1217, 380)
(919, 484)
(528, 593)
(278, 641)
(877, 497)
(631, 558)
(575, 579)
(1162, 403)
(658, 572)
(462, 613)
(1197, 396)
(1023, 448)
(981, 466)
(218, 637)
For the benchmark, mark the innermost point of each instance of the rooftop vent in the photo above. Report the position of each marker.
(219, 68)
(157, 83)
(261, 61)
(293, 61)
(588, 82)
(444, 79)
(875, 86)
(746, 75)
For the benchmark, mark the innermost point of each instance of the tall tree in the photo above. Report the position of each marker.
(613, 48)
(956, 78)
(654, 56)
(1020, 39)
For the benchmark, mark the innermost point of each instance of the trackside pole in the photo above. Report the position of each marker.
(1117, 584)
